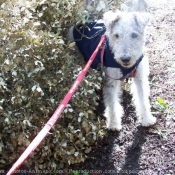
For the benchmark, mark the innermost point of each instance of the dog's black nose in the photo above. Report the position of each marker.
(125, 59)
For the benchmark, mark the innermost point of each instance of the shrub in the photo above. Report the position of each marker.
(37, 68)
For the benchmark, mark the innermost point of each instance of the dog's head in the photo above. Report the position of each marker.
(125, 32)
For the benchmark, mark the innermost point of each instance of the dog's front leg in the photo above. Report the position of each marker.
(111, 97)
(140, 90)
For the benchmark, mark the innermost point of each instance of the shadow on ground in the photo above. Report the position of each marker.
(117, 152)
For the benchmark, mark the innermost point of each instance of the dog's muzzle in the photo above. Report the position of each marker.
(125, 59)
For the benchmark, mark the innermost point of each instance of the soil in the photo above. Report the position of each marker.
(138, 150)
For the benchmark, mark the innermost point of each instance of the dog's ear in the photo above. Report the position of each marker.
(141, 19)
(110, 19)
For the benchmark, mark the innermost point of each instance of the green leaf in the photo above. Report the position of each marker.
(85, 174)
(162, 102)
(76, 173)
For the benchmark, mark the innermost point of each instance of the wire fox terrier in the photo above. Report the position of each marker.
(123, 53)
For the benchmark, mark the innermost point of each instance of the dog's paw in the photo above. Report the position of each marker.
(148, 121)
(114, 127)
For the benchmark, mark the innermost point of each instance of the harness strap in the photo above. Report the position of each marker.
(130, 74)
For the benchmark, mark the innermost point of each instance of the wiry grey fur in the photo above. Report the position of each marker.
(125, 31)
(126, 34)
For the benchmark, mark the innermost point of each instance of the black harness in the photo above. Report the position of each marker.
(87, 37)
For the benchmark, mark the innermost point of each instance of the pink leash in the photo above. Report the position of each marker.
(37, 140)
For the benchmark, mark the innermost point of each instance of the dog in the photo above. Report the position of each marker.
(125, 33)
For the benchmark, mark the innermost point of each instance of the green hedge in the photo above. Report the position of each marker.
(37, 68)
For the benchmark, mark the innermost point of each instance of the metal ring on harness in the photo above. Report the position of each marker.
(85, 36)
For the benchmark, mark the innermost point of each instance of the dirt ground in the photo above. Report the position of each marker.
(137, 150)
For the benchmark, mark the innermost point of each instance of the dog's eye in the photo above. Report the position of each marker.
(134, 35)
(117, 35)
